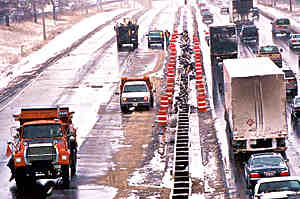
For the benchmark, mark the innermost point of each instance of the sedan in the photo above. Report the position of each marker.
(294, 40)
(295, 113)
(265, 165)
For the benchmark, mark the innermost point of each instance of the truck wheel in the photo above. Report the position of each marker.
(124, 109)
(66, 176)
(73, 163)
(149, 46)
(20, 178)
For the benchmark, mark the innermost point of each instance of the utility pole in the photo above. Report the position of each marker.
(291, 6)
(43, 21)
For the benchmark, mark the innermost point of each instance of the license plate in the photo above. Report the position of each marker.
(269, 174)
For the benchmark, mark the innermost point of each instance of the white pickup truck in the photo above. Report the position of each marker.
(136, 92)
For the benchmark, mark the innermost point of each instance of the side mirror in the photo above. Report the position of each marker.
(147, 35)
(249, 192)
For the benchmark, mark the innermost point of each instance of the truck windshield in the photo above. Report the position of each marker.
(42, 131)
(156, 34)
(135, 88)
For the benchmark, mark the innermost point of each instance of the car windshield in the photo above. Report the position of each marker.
(267, 161)
(269, 49)
(297, 100)
(288, 73)
(283, 22)
(42, 131)
(207, 13)
(277, 186)
(156, 34)
(135, 88)
(295, 36)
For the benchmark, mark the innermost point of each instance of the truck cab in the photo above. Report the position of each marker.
(46, 147)
(136, 92)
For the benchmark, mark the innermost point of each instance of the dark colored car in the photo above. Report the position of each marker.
(281, 26)
(249, 33)
(291, 82)
(207, 17)
(156, 37)
(273, 52)
(295, 112)
(265, 165)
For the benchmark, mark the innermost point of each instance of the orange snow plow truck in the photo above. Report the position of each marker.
(44, 146)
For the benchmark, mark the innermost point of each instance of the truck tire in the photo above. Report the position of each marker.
(149, 45)
(20, 178)
(73, 162)
(124, 109)
(66, 176)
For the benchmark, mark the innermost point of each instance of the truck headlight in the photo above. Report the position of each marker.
(64, 157)
(124, 99)
(18, 160)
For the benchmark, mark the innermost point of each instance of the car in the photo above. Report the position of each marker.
(224, 10)
(273, 52)
(281, 26)
(295, 106)
(291, 82)
(156, 37)
(277, 187)
(294, 40)
(265, 165)
(249, 33)
(207, 17)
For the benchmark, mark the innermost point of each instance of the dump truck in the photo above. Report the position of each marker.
(241, 12)
(127, 33)
(136, 92)
(45, 146)
(255, 105)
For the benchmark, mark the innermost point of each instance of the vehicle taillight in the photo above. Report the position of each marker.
(284, 173)
(146, 99)
(254, 175)
(293, 41)
(291, 80)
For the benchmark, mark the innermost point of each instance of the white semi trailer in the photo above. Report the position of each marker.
(255, 105)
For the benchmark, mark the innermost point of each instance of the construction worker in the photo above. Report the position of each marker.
(167, 36)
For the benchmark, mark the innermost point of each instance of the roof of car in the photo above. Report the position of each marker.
(266, 154)
(282, 178)
(135, 82)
